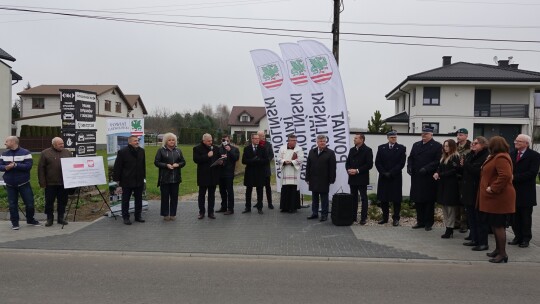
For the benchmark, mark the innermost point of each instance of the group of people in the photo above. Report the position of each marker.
(495, 187)
(481, 186)
(16, 163)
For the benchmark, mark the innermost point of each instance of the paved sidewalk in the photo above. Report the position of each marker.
(273, 233)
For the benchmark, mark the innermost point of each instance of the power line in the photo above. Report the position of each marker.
(481, 2)
(282, 20)
(243, 30)
(276, 29)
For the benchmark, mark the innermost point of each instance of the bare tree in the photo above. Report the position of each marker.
(222, 116)
(158, 121)
(207, 110)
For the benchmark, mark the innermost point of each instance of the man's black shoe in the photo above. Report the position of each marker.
(62, 222)
(140, 220)
(514, 242)
(395, 223)
(312, 217)
(127, 221)
(221, 210)
(524, 244)
(49, 222)
(428, 228)
(480, 248)
(324, 218)
(470, 243)
(418, 226)
(382, 222)
(363, 222)
(270, 206)
(260, 211)
(246, 211)
(211, 216)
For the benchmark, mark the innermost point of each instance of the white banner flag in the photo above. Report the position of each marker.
(330, 115)
(300, 102)
(275, 91)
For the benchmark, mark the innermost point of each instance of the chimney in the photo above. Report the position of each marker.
(514, 66)
(446, 60)
(504, 63)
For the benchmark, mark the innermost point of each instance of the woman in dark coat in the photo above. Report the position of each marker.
(169, 160)
(448, 187)
(470, 170)
(496, 194)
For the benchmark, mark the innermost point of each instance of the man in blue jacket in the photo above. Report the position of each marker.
(16, 162)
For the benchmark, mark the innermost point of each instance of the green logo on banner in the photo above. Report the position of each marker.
(136, 125)
(270, 72)
(298, 67)
(318, 64)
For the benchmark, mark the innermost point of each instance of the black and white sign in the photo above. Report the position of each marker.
(78, 113)
(87, 149)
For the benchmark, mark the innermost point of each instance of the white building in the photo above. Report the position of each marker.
(41, 106)
(7, 75)
(486, 99)
(247, 120)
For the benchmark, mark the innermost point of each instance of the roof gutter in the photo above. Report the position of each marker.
(409, 111)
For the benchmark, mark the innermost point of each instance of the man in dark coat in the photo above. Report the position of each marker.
(389, 161)
(320, 173)
(205, 155)
(463, 148)
(230, 155)
(358, 164)
(421, 164)
(255, 158)
(267, 171)
(129, 173)
(526, 163)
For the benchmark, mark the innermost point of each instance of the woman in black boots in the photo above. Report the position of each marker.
(448, 189)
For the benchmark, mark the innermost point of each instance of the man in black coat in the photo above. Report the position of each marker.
(255, 158)
(358, 164)
(422, 163)
(129, 173)
(204, 155)
(389, 161)
(526, 163)
(230, 155)
(320, 173)
(267, 171)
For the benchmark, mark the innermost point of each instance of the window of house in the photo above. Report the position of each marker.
(432, 96)
(245, 118)
(404, 101)
(434, 125)
(414, 97)
(413, 126)
(118, 107)
(107, 105)
(38, 103)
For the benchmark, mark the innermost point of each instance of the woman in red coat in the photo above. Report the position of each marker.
(496, 194)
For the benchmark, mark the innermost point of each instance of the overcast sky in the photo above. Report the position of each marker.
(180, 68)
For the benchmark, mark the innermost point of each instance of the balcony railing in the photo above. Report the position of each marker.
(502, 110)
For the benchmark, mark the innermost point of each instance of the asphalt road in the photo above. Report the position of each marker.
(52, 277)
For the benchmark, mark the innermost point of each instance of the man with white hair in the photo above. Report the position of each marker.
(17, 162)
(526, 163)
(50, 177)
(204, 155)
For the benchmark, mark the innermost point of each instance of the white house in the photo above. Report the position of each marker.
(247, 120)
(486, 99)
(41, 106)
(7, 75)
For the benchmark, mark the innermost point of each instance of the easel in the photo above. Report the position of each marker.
(77, 204)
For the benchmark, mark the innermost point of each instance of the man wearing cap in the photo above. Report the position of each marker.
(421, 164)
(526, 162)
(463, 148)
(389, 161)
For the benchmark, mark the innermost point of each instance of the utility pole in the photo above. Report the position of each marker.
(335, 30)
